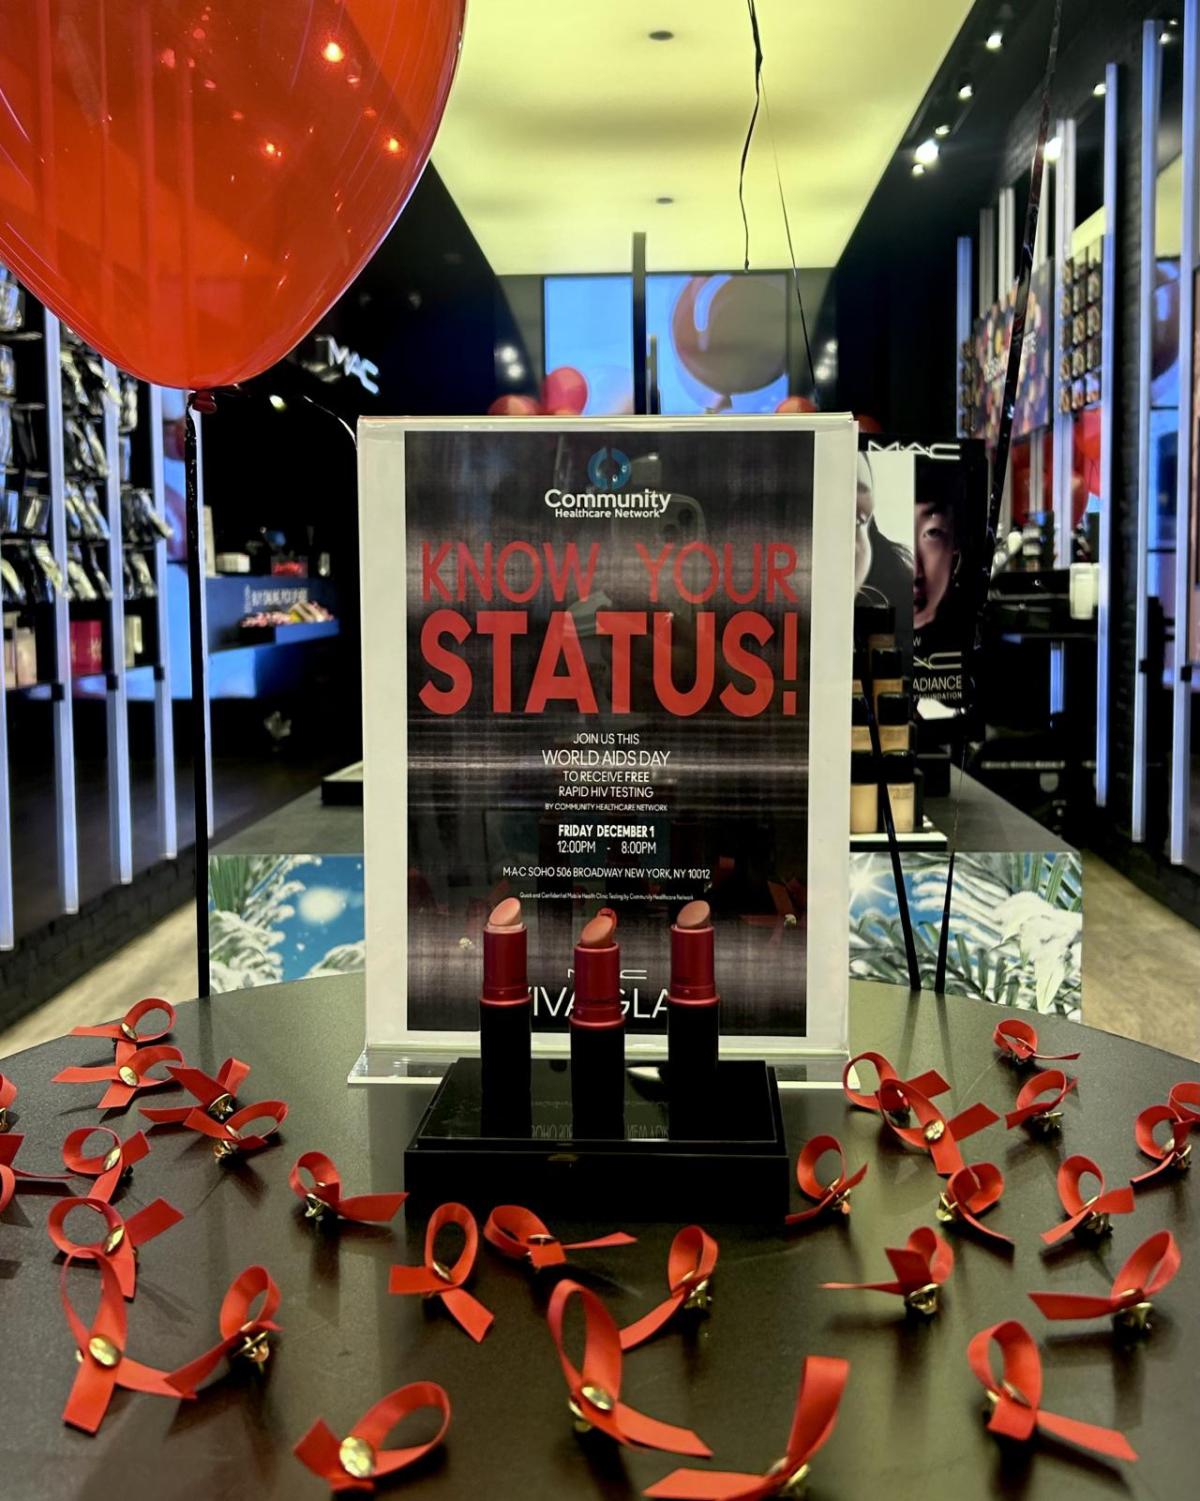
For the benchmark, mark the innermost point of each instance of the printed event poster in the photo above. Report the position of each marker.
(607, 666)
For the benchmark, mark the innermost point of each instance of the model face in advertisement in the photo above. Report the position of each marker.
(864, 511)
(935, 558)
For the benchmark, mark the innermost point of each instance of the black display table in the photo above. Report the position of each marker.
(910, 1422)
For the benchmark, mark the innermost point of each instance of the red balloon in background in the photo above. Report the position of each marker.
(796, 404)
(515, 406)
(867, 424)
(726, 331)
(191, 185)
(565, 391)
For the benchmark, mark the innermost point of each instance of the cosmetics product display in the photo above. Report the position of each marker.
(504, 1010)
(693, 1005)
(887, 673)
(860, 672)
(875, 626)
(598, 1030)
(860, 730)
(864, 794)
(893, 713)
(900, 781)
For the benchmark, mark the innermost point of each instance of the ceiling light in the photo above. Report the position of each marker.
(1165, 38)
(926, 153)
(995, 41)
(278, 403)
(1100, 90)
(516, 371)
(664, 198)
(966, 90)
(941, 131)
(918, 170)
(509, 352)
(1053, 148)
(333, 52)
(661, 36)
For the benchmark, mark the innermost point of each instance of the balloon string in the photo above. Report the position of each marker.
(787, 228)
(758, 62)
(978, 588)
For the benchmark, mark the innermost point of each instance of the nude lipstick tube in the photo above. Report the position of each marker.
(693, 1005)
(598, 1032)
(504, 1009)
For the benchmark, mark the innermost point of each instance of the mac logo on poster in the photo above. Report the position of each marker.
(608, 470)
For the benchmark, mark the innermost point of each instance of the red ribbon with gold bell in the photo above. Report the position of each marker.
(437, 1280)
(1090, 1216)
(921, 1267)
(357, 1461)
(833, 1196)
(517, 1233)
(244, 1335)
(691, 1263)
(217, 1096)
(121, 1239)
(126, 1030)
(108, 1167)
(1145, 1272)
(127, 1075)
(316, 1182)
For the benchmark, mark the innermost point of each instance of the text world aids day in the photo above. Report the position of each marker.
(753, 655)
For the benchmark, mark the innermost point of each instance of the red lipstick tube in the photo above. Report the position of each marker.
(504, 1010)
(598, 1032)
(693, 1005)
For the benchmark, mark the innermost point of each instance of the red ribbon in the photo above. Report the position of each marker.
(1086, 1214)
(121, 1239)
(13, 1178)
(519, 1234)
(218, 1097)
(1039, 1097)
(1176, 1153)
(690, 1265)
(103, 1364)
(929, 1084)
(1146, 1272)
(108, 1168)
(833, 1195)
(923, 1263)
(1018, 1041)
(436, 1280)
(1184, 1099)
(969, 1193)
(126, 1029)
(8, 1093)
(356, 1462)
(1017, 1396)
(933, 1133)
(821, 1385)
(323, 1191)
(242, 1333)
(231, 1136)
(595, 1391)
(128, 1073)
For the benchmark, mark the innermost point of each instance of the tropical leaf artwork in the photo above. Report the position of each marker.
(1016, 926)
(252, 899)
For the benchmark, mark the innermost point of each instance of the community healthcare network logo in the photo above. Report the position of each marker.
(609, 471)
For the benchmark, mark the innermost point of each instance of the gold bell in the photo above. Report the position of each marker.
(1093, 1226)
(314, 1208)
(934, 1131)
(224, 1149)
(796, 1483)
(947, 1210)
(255, 1347)
(3, 1117)
(1047, 1123)
(541, 1238)
(357, 1457)
(221, 1107)
(128, 1076)
(440, 1270)
(1135, 1319)
(923, 1300)
(127, 1032)
(1183, 1158)
(840, 1202)
(699, 1298)
(111, 1159)
(103, 1351)
(595, 1396)
(113, 1239)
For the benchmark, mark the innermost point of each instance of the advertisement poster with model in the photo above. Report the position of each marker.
(941, 488)
(614, 682)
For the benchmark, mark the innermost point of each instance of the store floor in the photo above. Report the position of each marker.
(1141, 971)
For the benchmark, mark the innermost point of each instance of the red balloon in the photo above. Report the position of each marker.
(192, 185)
(867, 424)
(796, 404)
(727, 332)
(565, 391)
(514, 406)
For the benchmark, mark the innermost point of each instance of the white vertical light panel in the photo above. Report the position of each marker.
(194, 416)
(987, 259)
(1108, 401)
(164, 724)
(1181, 700)
(1064, 228)
(62, 706)
(120, 831)
(7, 933)
(1151, 100)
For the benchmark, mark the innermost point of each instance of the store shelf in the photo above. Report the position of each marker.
(283, 635)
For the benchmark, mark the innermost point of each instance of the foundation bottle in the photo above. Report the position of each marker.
(864, 795)
(895, 732)
(901, 791)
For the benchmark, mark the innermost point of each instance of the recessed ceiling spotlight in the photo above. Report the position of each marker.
(662, 36)
(664, 198)
(926, 153)
(277, 402)
(1053, 148)
(1165, 38)
(941, 131)
(918, 170)
(966, 90)
(1100, 90)
(995, 41)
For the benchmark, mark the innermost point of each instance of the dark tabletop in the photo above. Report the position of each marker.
(910, 1423)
